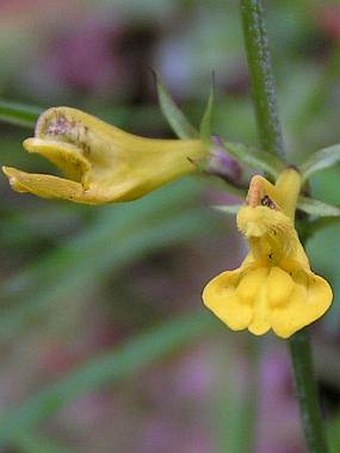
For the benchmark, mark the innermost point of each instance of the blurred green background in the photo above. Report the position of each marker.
(105, 344)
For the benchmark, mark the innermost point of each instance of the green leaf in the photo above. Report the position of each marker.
(111, 367)
(256, 158)
(205, 131)
(324, 158)
(19, 114)
(175, 117)
(308, 205)
(318, 208)
(228, 209)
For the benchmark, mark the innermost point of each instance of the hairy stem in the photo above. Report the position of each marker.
(263, 91)
(261, 76)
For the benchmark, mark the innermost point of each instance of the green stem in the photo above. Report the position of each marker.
(263, 90)
(262, 80)
(301, 354)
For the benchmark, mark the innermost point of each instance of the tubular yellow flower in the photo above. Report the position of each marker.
(274, 288)
(101, 163)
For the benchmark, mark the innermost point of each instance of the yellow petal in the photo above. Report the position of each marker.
(287, 188)
(279, 286)
(67, 158)
(261, 221)
(45, 186)
(260, 321)
(309, 300)
(252, 221)
(219, 296)
(251, 283)
(275, 289)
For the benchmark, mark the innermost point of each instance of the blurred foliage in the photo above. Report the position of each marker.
(119, 364)
(118, 235)
(70, 272)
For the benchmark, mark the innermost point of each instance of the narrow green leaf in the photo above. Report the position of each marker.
(113, 366)
(318, 208)
(205, 130)
(256, 158)
(228, 209)
(324, 158)
(308, 205)
(318, 225)
(19, 114)
(175, 117)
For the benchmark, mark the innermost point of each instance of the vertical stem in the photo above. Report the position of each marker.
(263, 90)
(301, 354)
(262, 80)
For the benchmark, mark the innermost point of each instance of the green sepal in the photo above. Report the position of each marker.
(324, 158)
(256, 158)
(174, 116)
(317, 208)
(205, 130)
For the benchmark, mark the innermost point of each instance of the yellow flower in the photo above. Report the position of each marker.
(274, 288)
(101, 162)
